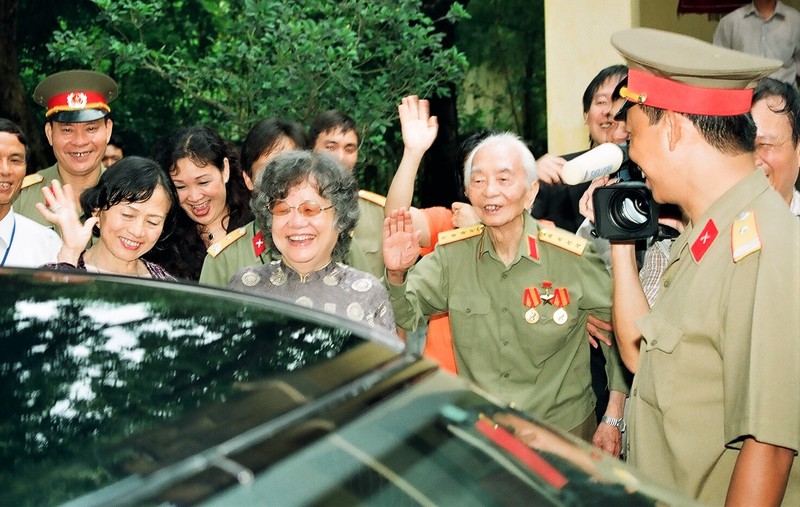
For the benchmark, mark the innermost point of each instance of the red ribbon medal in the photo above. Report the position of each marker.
(560, 299)
(531, 299)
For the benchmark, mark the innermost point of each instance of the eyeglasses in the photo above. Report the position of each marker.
(306, 208)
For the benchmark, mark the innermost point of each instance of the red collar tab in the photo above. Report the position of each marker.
(656, 91)
(533, 248)
(704, 240)
(259, 245)
(75, 101)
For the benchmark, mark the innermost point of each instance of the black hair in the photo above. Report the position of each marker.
(728, 134)
(263, 137)
(117, 141)
(332, 120)
(10, 127)
(134, 179)
(604, 75)
(184, 254)
(769, 87)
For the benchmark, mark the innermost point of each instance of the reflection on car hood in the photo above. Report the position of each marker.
(88, 363)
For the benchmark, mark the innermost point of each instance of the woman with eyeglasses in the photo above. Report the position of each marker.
(310, 206)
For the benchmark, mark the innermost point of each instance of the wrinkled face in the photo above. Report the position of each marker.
(598, 117)
(775, 152)
(12, 169)
(112, 155)
(343, 145)
(201, 190)
(498, 186)
(281, 145)
(305, 242)
(129, 230)
(79, 147)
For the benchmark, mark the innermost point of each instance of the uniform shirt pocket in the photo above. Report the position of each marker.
(470, 319)
(661, 359)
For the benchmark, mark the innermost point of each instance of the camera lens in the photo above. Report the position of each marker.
(629, 210)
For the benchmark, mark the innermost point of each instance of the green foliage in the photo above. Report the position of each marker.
(233, 63)
(504, 42)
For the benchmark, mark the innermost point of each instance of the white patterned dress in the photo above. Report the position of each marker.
(336, 289)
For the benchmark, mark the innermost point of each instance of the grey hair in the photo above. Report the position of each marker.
(332, 182)
(528, 162)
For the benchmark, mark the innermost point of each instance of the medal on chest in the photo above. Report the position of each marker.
(531, 299)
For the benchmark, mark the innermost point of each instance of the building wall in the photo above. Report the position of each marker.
(577, 46)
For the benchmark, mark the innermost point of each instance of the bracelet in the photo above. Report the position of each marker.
(617, 422)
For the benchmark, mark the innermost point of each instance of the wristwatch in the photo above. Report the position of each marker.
(617, 422)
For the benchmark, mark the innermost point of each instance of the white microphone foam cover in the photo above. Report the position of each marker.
(599, 161)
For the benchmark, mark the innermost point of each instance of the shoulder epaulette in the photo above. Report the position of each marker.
(744, 236)
(225, 242)
(459, 234)
(563, 239)
(32, 179)
(372, 197)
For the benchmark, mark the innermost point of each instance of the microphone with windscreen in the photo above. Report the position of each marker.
(599, 161)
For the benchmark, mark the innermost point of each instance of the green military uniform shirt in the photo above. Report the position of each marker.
(240, 253)
(369, 231)
(25, 204)
(543, 367)
(720, 355)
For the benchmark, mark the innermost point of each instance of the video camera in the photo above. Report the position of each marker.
(623, 211)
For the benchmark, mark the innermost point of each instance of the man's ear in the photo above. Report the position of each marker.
(48, 131)
(532, 191)
(673, 124)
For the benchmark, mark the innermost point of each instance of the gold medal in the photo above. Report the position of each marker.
(560, 316)
(532, 316)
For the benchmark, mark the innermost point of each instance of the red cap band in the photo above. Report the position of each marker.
(651, 90)
(76, 100)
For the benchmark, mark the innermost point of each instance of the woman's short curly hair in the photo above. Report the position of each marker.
(326, 175)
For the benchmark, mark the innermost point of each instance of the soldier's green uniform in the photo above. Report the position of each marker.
(238, 250)
(369, 231)
(31, 193)
(541, 366)
(719, 360)
(721, 347)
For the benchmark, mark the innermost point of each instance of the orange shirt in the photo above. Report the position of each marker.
(439, 340)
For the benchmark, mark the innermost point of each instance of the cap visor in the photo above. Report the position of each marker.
(78, 116)
(622, 114)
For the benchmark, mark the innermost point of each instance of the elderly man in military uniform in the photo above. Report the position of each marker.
(519, 296)
(78, 129)
(715, 402)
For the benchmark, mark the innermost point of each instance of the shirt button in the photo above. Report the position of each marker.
(468, 310)
(505, 343)
(654, 343)
(504, 276)
(506, 375)
(635, 391)
(666, 283)
(504, 310)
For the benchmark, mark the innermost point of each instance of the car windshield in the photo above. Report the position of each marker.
(88, 363)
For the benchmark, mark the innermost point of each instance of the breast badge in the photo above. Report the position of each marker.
(251, 279)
